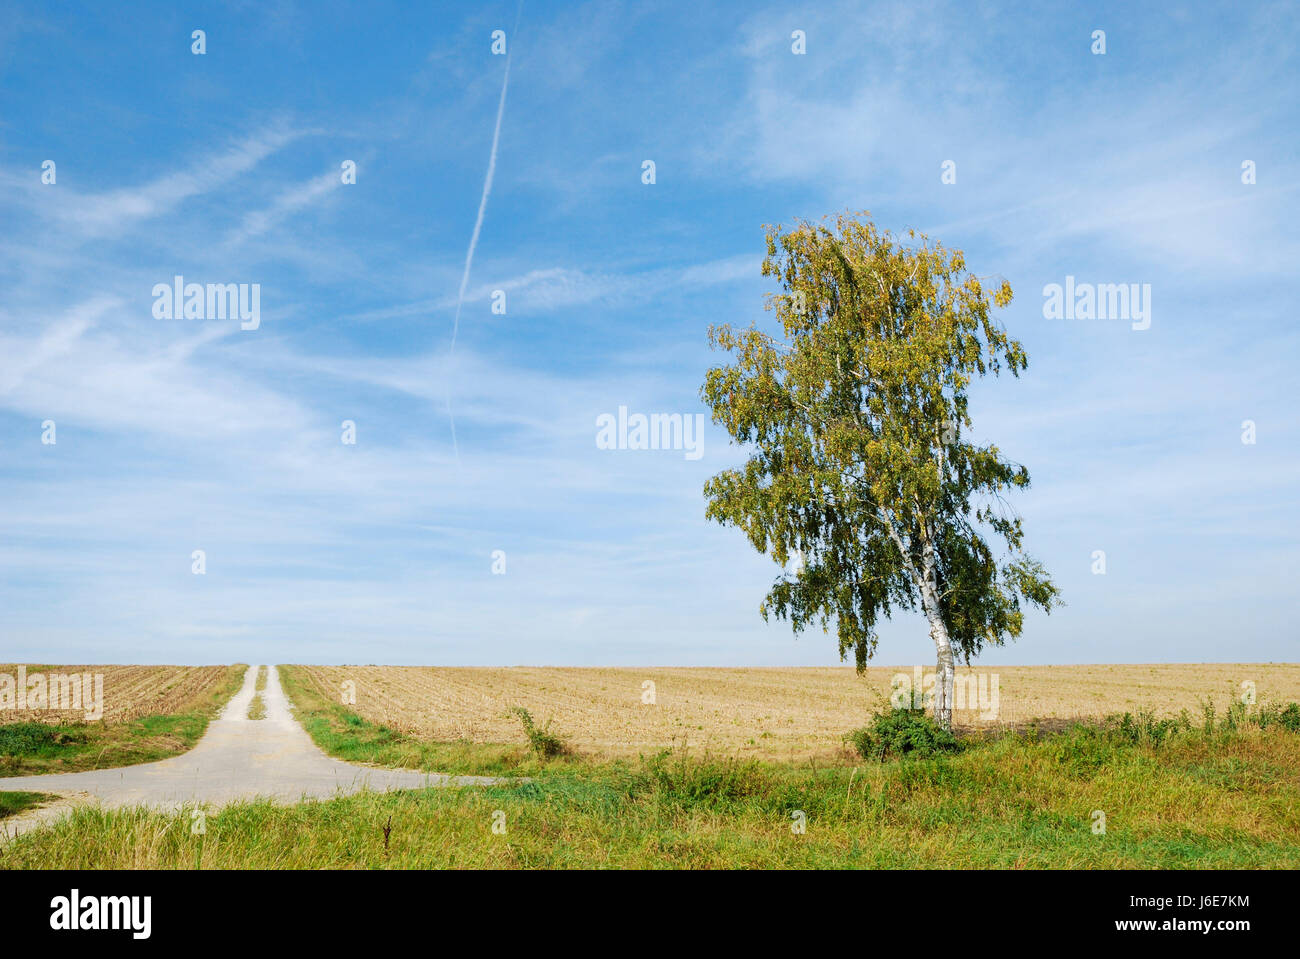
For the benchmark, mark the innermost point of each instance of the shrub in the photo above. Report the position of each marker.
(909, 733)
(543, 742)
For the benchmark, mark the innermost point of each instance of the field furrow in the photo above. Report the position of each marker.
(129, 692)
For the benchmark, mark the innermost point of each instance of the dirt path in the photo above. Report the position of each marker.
(237, 758)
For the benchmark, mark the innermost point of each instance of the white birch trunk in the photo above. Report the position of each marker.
(927, 584)
(945, 671)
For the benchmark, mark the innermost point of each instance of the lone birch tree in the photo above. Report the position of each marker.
(861, 469)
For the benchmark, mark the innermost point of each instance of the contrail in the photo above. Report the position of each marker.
(478, 221)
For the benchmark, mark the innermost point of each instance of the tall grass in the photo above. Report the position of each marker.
(1193, 796)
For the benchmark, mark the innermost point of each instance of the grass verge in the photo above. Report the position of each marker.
(1195, 800)
(33, 748)
(1129, 792)
(13, 803)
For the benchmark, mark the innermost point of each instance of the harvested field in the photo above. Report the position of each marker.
(777, 713)
(129, 691)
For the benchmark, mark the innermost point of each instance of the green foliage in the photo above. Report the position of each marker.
(34, 739)
(1146, 729)
(907, 733)
(1238, 714)
(1088, 747)
(1274, 715)
(543, 742)
(707, 782)
(858, 417)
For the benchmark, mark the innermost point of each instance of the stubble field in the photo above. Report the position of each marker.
(765, 713)
(130, 692)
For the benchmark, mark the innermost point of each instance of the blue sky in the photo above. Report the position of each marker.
(177, 435)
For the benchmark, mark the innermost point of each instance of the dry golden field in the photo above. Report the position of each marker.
(129, 691)
(761, 712)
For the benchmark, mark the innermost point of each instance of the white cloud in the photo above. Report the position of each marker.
(96, 214)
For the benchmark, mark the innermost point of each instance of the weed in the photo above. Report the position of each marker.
(543, 742)
(1274, 715)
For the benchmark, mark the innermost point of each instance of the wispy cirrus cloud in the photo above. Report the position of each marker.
(90, 215)
(289, 201)
(553, 288)
(1147, 164)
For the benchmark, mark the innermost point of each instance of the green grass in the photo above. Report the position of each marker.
(1194, 801)
(1216, 792)
(13, 803)
(31, 748)
(260, 684)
